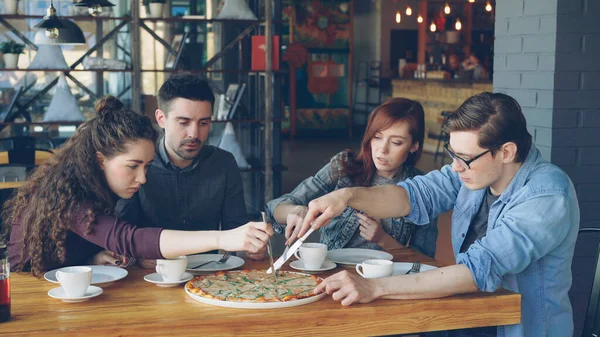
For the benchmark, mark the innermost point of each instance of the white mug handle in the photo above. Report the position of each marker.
(359, 271)
(297, 255)
(159, 268)
(57, 275)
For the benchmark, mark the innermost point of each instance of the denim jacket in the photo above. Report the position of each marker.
(529, 244)
(339, 231)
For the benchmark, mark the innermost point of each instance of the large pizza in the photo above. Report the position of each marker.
(253, 286)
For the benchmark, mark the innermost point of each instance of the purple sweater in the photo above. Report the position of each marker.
(109, 232)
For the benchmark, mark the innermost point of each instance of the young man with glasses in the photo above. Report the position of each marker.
(514, 223)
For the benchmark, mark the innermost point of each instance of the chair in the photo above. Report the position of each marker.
(21, 149)
(442, 137)
(591, 325)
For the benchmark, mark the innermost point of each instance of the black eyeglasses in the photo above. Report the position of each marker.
(466, 164)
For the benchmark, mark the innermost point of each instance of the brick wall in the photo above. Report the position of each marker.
(547, 57)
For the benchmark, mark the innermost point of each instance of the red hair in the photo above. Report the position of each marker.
(360, 167)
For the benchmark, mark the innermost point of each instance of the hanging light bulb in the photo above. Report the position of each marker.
(433, 27)
(408, 11)
(471, 1)
(50, 23)
(488, 7)
(95, 7)
(447, 8)
(398, 17)
(420, 19)
(95, 10)
(458, 24)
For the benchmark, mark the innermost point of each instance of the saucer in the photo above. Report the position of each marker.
(327, 265)
(158, 280)
(59, 293)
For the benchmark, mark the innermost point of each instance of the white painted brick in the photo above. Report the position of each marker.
(509, 9)
(590, 118)
(540, 7)
(507, 79)
(538, 117)
(539, 43)
(537, 80)
(545, 99)
(548, 24)
(567, 81)
(508, 45)
(546, 62)
(524, 25)
(545, 151)
(543, 136)
(565, 118)
(526, 98)
(499, 63)
(501, 27)
(521, 62)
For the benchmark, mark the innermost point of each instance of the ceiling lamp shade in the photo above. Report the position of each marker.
(63, 106)
(51, 23)
(49, 56)
(236, 9)
(94, 6)
(69, 34)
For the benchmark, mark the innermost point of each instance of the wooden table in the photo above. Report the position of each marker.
(40, 157)
(134, 307)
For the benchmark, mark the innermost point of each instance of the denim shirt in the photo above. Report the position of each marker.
(338, 233)
(528, 248)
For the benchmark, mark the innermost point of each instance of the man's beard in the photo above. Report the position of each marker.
(186, 155)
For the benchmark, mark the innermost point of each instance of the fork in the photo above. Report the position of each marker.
(416, 267)
(222, 260)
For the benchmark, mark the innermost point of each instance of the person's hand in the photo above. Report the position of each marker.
(251, 237)
(108, 258)
(260, 255)
(147, 264)
(323, 209)
(294, 223)
(348, 288)
(370, 228)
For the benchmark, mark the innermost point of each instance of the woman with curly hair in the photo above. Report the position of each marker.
(63, 214)
(390, 149)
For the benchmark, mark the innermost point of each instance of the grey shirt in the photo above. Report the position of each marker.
(207, 195)
(479, 224)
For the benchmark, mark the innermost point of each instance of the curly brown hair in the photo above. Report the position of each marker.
(72, 180)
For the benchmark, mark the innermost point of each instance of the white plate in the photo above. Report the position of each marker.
(249, 305)
(299, 265)
(59, 293)
(353, 256)
(158, 280)
(101, 275)
(400, 268)
(194, 260)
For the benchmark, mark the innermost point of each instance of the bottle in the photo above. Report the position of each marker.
(4, 283)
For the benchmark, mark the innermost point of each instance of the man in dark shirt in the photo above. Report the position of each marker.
(190, 185)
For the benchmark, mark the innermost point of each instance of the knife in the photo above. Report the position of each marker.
(270, 252)
(288, 253)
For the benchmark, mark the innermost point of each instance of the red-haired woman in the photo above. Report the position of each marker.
(390, 148)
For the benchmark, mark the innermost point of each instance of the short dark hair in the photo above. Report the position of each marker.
(184, 86)
(497, 118)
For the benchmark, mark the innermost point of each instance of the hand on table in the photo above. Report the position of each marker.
(348, 288)
(108, 258)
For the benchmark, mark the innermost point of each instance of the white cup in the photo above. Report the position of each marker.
(74, 280)
(375, 268)
(171, 270)
(312, 255)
